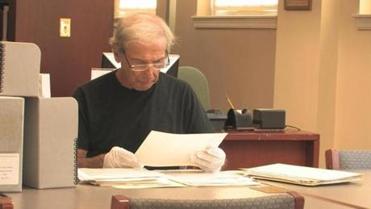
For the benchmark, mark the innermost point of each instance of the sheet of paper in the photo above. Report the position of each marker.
(9, 168)
(115, 174)
(165, 149)
(159, 182)
(223, 178)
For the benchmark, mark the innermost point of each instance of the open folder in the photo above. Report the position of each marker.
(301, 175)
(166, 149)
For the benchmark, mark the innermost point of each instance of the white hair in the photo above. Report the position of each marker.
(142, 27)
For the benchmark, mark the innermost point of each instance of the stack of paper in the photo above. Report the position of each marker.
(301, 175)
(127, 178)
(99, 175)
(223, 178)
(149, 183)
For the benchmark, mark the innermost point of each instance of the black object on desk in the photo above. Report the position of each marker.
(217, 119)
(239, 120)
(269, 118)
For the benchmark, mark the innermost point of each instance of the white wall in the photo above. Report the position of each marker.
(323, 76)
(353, 114)
(297, 65)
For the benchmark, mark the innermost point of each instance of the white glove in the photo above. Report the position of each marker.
(119, 157)
(210, 160)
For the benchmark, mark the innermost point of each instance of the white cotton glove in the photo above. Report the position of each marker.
(210, 160)
(119, 157)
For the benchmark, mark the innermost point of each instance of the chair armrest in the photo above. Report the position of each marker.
(332, 159)
(119, 202)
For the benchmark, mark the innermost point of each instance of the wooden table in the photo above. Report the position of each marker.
(93, 197)
(249, 148)
(342, 196)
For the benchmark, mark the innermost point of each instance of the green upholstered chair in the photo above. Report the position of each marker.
(197, 80)
(348, 159)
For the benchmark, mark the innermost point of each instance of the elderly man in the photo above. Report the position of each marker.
(119, 109)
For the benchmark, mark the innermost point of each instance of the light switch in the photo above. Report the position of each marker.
(65, 27)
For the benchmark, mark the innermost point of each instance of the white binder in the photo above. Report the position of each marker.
(11, 143)
(49, 145)
(19, 69)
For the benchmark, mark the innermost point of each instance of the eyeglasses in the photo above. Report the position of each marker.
(158, 65)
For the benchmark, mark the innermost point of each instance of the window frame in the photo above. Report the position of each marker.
(118, 13)
(362, 19)
(205, 19)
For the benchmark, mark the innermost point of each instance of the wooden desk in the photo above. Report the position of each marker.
(249, 149)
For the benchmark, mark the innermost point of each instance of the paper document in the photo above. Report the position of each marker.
(125, 178)
(223, 178)
(301, 174)
(159, 182)
(9, 168)
(165, 149)
(100, 175)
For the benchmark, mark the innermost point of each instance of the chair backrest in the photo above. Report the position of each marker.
(280, 201)
(197, 80)
(348, 159)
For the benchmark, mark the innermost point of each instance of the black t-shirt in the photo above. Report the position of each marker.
(113, 115)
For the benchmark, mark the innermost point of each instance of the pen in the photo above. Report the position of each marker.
(229, 101)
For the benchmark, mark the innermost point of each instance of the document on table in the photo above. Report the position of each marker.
(165, 149)
(301, 175)
(100, 175)
(222, 178)
(160, 182)
(125, 178)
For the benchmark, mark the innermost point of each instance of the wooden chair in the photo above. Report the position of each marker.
(348, 159)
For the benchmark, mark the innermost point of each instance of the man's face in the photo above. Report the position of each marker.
(141, 54)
